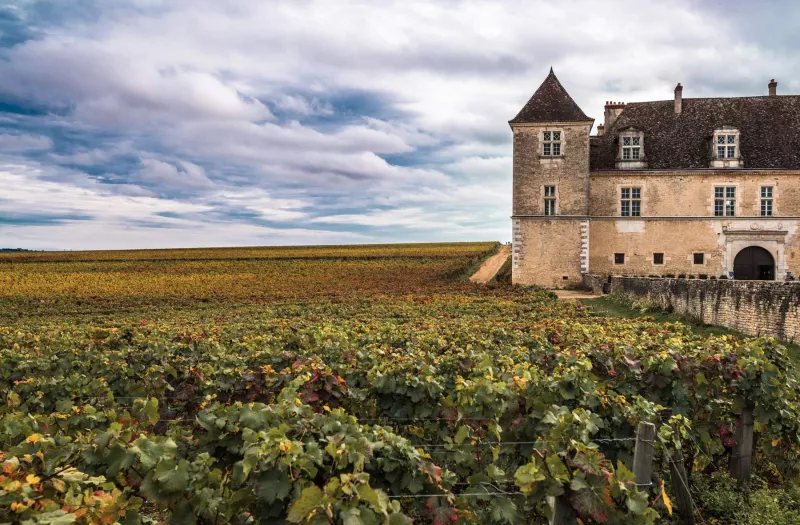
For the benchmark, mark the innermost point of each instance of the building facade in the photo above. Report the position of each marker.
(696, 186)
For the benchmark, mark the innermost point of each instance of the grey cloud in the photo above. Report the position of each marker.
(10, 142)
(164, 177)
(186, 86)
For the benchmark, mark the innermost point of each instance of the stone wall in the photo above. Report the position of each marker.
(596, 283)
(551, 251)
(547, 252)
(690, 193)
(569, 172)
(752, 307)
(678, 221)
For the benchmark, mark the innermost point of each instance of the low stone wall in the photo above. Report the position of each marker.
(751, 307)
(595, 283)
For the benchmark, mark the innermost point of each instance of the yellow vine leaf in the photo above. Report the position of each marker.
(31, 479)
(667, 501)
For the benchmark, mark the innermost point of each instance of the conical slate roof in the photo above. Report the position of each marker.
(551, 103)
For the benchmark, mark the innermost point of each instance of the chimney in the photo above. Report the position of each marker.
(612, 113)
(678, 98)
(600, 130)
(773, 88)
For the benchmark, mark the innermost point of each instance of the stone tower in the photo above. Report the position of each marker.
(551, 189)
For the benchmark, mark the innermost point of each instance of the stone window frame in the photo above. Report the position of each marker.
(725, 134)
(561, 143)
(614, 258)
(630, 163)
(663, 259)
(545, 198)
(737, 207)
(760, 198)
(692, 259)
(641, 199)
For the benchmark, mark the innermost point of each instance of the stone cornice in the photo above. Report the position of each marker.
(551, 124)
(660, 218)
(731, 172)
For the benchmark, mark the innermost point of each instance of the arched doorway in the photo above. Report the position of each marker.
(754, 264)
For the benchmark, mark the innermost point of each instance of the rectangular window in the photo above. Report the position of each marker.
(699, 258)
(631, 148)
(549, 200)
(551, 143)
(766, 201)
(619, 258)
(725, 201)
(726, 146)
(631, 202)
(658, 258)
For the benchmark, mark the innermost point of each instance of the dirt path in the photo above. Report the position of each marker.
(491, 266)
(574, 295)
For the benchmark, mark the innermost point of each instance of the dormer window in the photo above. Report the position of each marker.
(631, 149)
(551, 143)
(726, 152)
(726, 146)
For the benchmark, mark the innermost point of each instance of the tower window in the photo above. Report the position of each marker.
(766, 201)
(725, 201)
(551, 143)
(631, 202)
(549, 200)
(658, 258)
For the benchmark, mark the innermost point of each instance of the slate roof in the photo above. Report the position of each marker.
(550, 103)
(769, 126)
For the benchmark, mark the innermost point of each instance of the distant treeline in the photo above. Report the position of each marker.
(3, 250)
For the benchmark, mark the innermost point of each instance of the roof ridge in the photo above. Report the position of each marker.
(714, 98)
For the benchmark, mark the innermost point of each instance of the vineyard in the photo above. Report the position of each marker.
(386, 392)
(57, 282)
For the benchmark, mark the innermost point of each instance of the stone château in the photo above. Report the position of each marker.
(693, 186)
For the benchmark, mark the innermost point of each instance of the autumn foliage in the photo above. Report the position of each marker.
(460, 404)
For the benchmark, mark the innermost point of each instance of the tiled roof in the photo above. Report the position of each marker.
(769, 127)
(550, 103)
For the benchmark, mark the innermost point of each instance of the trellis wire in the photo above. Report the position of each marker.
(696, 508)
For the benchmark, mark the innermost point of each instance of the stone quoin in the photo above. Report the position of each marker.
(686, 186)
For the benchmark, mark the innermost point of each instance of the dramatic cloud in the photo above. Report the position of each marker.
(147, 123)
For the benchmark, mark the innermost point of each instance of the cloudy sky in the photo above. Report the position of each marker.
(211, 123)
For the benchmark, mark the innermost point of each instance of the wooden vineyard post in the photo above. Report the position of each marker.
(562, 511)
(680, 484)
(742, 454)
(643, 454)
